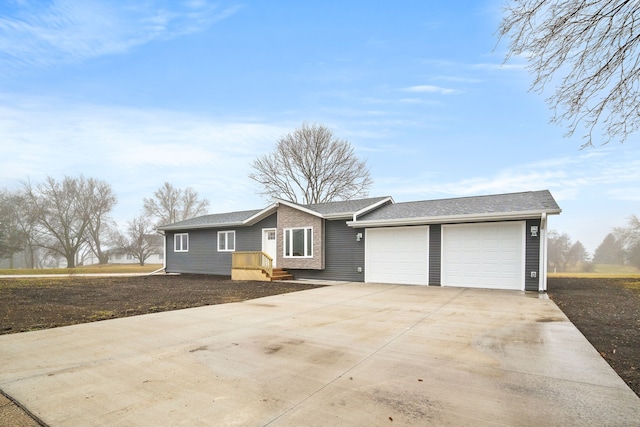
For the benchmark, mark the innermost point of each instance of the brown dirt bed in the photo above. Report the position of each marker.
(32, 304)
(606, 311)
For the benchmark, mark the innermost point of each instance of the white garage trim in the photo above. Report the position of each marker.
(485, 255)
(397, 255)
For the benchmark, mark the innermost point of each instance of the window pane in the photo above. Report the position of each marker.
(298, 242)
(287, 242)
(231, 241)
(221, 245)
(309, 242)
(181, 242)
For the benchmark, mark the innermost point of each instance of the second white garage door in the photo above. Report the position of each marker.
(397, 255)
(488, 255)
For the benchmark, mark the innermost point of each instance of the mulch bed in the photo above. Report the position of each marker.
(608, 315)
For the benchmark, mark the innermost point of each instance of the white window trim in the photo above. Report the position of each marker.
(178, 237)
(306, 245)
(226, 234)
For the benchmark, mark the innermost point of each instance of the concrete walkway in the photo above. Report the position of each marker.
(345, 355)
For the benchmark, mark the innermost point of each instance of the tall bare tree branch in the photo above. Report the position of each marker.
(590, 52)
(170, 204)
(65, 211)
(310, 165)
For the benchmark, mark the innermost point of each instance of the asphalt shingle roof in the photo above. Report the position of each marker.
(531, 201)
(347, 207)
(213, 220)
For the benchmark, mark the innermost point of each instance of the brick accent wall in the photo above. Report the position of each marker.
(293, 218)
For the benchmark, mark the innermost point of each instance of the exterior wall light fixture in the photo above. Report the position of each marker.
(534, 231)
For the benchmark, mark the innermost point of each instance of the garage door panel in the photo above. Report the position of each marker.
(483, 255)
(397, 255)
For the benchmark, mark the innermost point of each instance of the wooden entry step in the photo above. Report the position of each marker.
(281, 274)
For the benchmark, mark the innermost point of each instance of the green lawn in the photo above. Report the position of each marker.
(92, 269)
(608, 271)
(601, 271)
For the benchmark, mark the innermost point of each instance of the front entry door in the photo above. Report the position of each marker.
(269, 243)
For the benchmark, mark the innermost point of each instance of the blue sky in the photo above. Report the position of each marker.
(190, 92)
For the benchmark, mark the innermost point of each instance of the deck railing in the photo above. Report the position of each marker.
(252, 261)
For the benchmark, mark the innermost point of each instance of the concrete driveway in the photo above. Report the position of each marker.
(344, 355)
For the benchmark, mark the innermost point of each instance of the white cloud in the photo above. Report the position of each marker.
(612, 169)
(134, 150)
(42, 34)
(430, 89)
(498, 66)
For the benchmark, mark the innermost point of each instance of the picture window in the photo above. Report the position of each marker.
(298, 242)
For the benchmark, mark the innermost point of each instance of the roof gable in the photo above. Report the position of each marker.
(340, 209)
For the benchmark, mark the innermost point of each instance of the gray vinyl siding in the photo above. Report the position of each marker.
(343, 254)
(532, 257)
(435, 254)
(250, 238)
(203, 256)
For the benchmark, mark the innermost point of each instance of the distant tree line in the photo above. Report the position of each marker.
(620, 247)
(70, 219)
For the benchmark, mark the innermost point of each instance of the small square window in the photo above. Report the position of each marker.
(181, 242)
(226, 241)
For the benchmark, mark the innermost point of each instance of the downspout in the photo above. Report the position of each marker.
(542, 286)
(164, 252)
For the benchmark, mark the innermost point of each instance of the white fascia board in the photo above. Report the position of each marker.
(298, 207)
(261, 215)
(372, 207)
(203, 226)
(450, 219)
(343, 215)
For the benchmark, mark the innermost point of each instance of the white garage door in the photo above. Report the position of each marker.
(488, 255)
(397, 255)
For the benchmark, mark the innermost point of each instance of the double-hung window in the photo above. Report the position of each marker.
(181, 242)
(226, 241)
(298, 242)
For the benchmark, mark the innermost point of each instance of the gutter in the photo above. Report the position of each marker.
(450, 219)
(201, 226)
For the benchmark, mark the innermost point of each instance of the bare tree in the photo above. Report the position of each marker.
(27, 227)
(590, 49)
(62, 214)
(99, 201)
(629, 237)
(141, 240)
(170, 204)
(310, 165)
(559, 246)
(11, 236)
